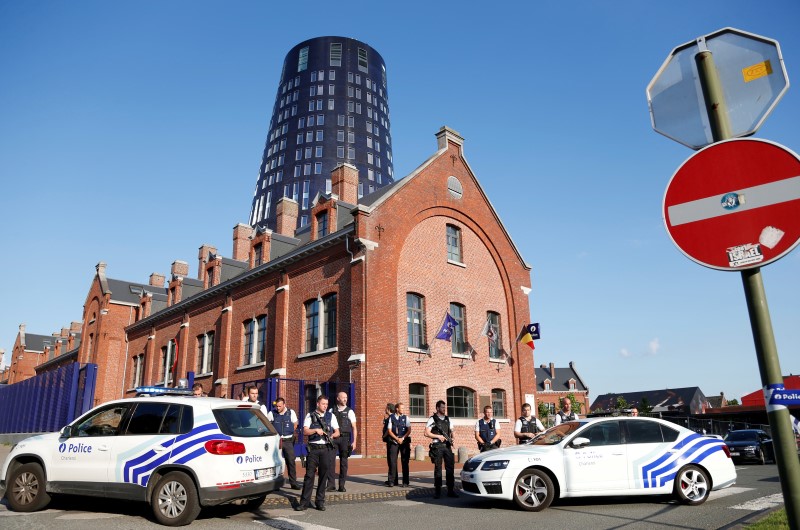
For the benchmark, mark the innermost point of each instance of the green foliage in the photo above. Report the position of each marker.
(621, 403)
(544, 411)
(577, 406)
(777, 520)
(645, 406)
(733, 402)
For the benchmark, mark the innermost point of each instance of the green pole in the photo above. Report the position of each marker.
(783, 440)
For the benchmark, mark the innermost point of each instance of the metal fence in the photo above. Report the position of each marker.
(48, 401)
(300, 395)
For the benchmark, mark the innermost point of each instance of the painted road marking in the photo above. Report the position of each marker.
(727, 492)
(762, 503)
(284, 523)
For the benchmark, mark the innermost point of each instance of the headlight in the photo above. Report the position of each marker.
(750, 448)
(471, 465)
(494, 465)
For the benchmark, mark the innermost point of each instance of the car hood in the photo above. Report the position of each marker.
(48, 437)
(741, 443)
(513, 451)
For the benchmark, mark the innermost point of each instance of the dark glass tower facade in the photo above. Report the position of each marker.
(331, 107)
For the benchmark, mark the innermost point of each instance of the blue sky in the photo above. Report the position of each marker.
(131, 132)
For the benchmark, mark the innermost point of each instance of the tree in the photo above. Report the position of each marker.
(733, 402)
(645, 406)
(621, 403)
(544, 412)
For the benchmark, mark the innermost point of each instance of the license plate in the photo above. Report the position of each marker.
(734, 454)
(265, 473)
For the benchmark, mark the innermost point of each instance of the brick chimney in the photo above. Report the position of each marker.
(344, 183)
(242, 234)
(22, 334)
(179, 268)
(64, 333)
(75, 327)
(286, 216)
(552, 370)
(202, 259)
(157, 279)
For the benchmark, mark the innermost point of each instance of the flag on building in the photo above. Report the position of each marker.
(525, 338)
(448, 326)
(489, 332)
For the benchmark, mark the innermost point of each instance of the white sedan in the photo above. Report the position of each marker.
(602, 456)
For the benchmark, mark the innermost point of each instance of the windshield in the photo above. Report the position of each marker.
(745, 436)
(243, 422)
(554, 435)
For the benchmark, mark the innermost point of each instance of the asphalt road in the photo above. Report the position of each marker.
(757, 491)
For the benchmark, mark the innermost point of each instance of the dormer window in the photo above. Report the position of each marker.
(258, 254)
(322, 224)
(547, 385)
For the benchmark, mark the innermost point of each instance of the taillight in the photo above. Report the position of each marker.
(727, 451)
(225, 447)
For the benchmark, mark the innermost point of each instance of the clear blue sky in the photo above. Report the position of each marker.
(131, 132)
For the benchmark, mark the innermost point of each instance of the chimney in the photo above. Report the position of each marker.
(101, 268)
(75, 327)
(552, 370)
(242, 234)
(157, 279)
(64, 332)
(286, 216)
(344, 183)
(22, 334)
(202, 259)
(180, 268)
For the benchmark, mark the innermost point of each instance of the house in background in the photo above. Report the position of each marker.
(553, 384)
(690, 400)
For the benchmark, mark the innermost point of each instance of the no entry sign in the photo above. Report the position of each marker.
(735, 204)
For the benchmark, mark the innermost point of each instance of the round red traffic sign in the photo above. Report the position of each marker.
(735, 204)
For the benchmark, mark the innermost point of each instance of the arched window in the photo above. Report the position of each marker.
(312, 325)
(547, 384)
(255, 340)
(205, 352)
(320, 330)
(460, 402)
(417, 400)
(499, 402)
(415, 320)
(493, 334)
(458, 339)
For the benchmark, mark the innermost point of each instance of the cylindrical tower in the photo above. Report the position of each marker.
(332, 106)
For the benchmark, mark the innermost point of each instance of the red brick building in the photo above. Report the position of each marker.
(554, 384)
(356, 295)
(31, 350)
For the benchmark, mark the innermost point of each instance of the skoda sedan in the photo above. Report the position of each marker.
(603, 456)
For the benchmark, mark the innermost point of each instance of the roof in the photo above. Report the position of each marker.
(130, 293)
(661, 400)
(559, 383)
(36, 343)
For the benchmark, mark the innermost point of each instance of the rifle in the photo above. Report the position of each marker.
(325, 435)
(447, 440)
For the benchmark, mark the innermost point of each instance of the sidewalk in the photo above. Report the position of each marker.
(365, 482)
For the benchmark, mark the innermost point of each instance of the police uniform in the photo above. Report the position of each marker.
(284, 424)
(561, 417)
(318, 459)
(346, 419)
(399, 426)
(524, 425)
(487, 430)
(441, 452)
(263, 408)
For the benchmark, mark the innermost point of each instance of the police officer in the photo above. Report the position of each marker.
(527, 426)
(566, 413)
(197, 390)
(346, 441)
(486, 433)
(251, 396)
(399, 432)
(320, 429)
(284, 420)
(438, 429)
(387, 414)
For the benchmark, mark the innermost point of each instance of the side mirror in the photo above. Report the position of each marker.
(66, 432)
(580, 442)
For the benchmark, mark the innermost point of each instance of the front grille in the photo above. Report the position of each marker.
(493, 487)
(470, 487)
(471, 465)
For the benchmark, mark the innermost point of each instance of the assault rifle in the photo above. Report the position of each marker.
(447, 440)
(325, 435)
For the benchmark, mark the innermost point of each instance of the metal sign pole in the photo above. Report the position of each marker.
(783, 440)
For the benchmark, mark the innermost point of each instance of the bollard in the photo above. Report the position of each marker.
(463, 455)
(419, 453)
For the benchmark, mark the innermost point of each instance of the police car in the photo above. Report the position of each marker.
(604, 456)
(175, 453)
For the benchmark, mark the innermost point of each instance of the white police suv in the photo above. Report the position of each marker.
(603, 456)
(175, 453)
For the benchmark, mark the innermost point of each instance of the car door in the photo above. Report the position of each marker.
(80, 462)
(601, 465)
(652, 453)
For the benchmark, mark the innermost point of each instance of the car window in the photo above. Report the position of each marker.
(147, 418)
(606, 433)
(670, 434)
(554, 435)
(246, 423)
(741, 436)
(104, 422)
(643, 432)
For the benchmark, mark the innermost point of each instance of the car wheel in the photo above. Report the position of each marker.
(533, 490)
(762, 459)
(174, 500)
(26, 488)
(692, 486)
(253, 504)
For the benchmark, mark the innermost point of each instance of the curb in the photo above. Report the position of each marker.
(282, 499)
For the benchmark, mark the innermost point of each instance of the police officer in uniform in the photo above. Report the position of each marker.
(285, 422)
(486, 431)
(320, 429)
(251, 396)
(438, 429)
(566, 413)
(346, 441)
(387, 414)
(527, 426)
(399, 432)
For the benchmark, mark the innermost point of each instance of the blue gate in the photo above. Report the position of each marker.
(48, 401)
(300, 395)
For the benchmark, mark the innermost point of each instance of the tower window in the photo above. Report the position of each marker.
(302, 59)
(336, 55)
(362, 59)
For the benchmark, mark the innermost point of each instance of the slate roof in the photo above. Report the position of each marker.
(36, 343)
(559, 383)
(129, 293)
(690, 399)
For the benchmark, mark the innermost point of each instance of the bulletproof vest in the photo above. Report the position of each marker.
(315, 424)
(567, 417)
(487, 430)
(399, 425)
(527, 426)
(283, 422)
(345, 426)
(443, 425)
(385, 425)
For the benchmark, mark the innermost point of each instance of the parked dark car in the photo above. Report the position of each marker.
(752, 445)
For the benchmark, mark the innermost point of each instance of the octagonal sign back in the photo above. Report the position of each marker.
(753, 77)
